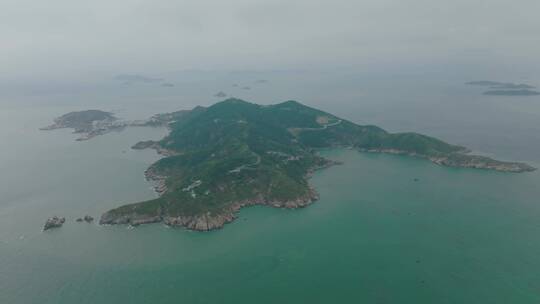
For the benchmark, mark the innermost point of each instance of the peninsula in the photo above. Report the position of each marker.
(233, 154)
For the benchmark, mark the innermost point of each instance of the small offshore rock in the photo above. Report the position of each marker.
(79, 219)
(54, 222)
(88, 218)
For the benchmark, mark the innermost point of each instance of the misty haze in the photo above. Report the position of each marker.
(269, 151)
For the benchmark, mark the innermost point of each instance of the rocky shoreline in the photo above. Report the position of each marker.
(206, 221)
(209, 221)
(158, 181)
(150, 144)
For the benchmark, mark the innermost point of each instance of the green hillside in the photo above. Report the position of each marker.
(237, 153)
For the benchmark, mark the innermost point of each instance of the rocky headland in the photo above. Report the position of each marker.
(462, 160)
(206, 221)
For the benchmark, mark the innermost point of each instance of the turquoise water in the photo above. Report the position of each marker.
(375, 236)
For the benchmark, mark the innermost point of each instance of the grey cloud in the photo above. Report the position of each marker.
(65, 38)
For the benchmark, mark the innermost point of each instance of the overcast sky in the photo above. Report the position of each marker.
(70, 37)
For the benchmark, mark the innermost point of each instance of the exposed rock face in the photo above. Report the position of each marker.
(133, 219)
(54, 222)
(207, 221)
(159, 181)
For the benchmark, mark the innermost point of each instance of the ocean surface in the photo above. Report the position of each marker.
(375, 236)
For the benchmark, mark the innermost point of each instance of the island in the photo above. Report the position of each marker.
(500, 85)
(522, 92)
(86, 218)
(54, 222)
(505, 88)
(133, 79)
(234, 154)
(92, 123)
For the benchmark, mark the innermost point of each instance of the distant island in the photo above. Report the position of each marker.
(220, 94)
(505, 88)
(512, 92)
(233, 154)
(91, 123)
(133, 79)
(500, 85)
